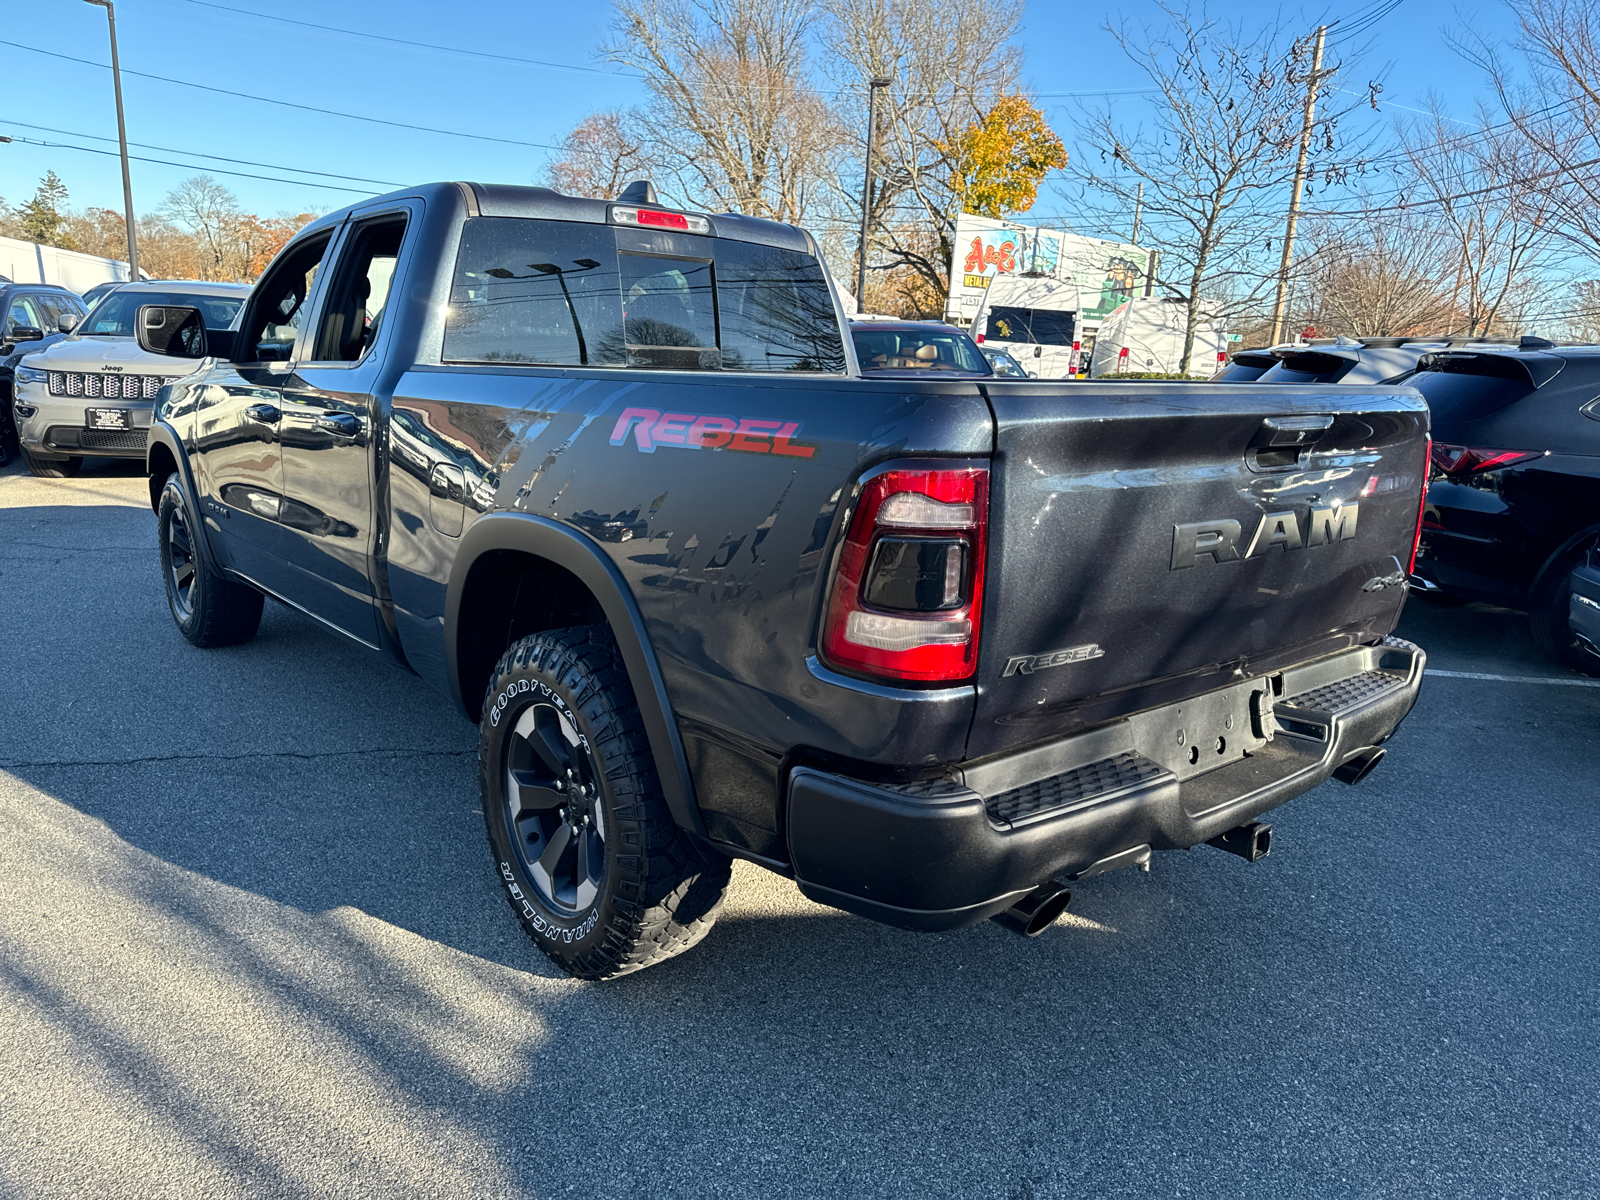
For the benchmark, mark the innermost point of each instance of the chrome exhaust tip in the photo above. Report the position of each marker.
(1038, 910)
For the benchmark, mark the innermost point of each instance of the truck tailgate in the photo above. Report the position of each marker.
(1150, 542)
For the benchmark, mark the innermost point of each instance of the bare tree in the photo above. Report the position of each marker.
(599, 157)
(1388, 275)
(1216, 161)
(211, 214)
(949, 61)
(1498, 237)
(1557, 112)
(733, 121)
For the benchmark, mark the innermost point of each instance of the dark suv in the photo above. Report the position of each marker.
(1514, 506)
(32, 316)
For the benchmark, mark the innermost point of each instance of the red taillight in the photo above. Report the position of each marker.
(1122, 360)
(907, 596)
(979, 339)
(1422, 505)
(1469, 460)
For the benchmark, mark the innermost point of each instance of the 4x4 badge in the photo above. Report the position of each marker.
(1027, 664)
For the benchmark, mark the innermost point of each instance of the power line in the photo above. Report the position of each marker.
(1494, 187)
(379, 37)
(188, 166)
(246, 162)
(329, 112)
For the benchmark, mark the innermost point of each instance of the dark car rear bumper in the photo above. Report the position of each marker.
(950, 853)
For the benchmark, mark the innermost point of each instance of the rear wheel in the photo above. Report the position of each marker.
(209, 608)
(52, 468)
(595, 868)
(1549, 608)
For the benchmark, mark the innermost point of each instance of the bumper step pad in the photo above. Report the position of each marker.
(1088, 784)
(1346, 693)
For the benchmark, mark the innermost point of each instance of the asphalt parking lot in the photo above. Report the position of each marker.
(250, 945)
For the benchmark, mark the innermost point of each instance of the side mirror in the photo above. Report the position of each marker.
(68, 321)
(25, 333)
(171, 330)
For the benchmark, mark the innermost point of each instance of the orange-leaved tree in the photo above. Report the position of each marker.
(1000, 159)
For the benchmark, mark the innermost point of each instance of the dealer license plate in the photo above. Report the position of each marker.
(108, 418)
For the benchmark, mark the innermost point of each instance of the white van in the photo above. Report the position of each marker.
(1034, 318)
(1145, 335)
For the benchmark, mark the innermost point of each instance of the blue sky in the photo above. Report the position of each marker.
(224, 46)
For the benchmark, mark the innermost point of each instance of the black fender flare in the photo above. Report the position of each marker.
(163, 433)
(543, 538)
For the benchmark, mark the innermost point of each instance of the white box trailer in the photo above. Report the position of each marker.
(1034, 318)
(29, 262)
(1145, 336)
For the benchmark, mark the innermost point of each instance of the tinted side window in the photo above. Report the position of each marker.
(535, 292)
(50, 309)
(775, 311)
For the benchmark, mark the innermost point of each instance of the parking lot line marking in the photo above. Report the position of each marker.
(1515, 678)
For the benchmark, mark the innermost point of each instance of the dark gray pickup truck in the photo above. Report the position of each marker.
(933, 644)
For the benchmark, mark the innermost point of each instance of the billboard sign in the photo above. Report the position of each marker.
(1107, 273)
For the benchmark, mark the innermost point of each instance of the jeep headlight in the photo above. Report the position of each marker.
(30, 375)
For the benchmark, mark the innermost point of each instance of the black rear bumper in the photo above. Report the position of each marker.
(953, 852)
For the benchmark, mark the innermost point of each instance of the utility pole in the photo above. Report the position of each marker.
(873, 84)
(1299, 182)
(122, 141)
(1138, 211)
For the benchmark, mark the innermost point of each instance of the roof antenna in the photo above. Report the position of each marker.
(640, 191)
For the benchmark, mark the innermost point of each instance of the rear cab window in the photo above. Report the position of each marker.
(564, 293)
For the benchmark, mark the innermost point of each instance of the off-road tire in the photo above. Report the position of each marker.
(52, 468)
(1549, 607)
(657, 893)
(208, 608)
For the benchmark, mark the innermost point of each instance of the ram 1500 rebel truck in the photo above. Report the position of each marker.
(610, 476)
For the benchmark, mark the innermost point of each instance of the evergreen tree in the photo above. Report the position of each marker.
(44, 219)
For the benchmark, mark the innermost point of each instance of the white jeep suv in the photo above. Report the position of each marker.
(90, 395)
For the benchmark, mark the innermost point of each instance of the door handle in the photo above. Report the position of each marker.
(264, 413)
(338, 422)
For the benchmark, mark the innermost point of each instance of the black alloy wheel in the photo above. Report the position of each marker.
(554, 809)
(589, 856)
(208, 608)
(180, 564)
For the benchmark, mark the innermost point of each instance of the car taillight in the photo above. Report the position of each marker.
(979, 339)
(1450, 459)
(1422, 505)
(656, 218)
(907, 595)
